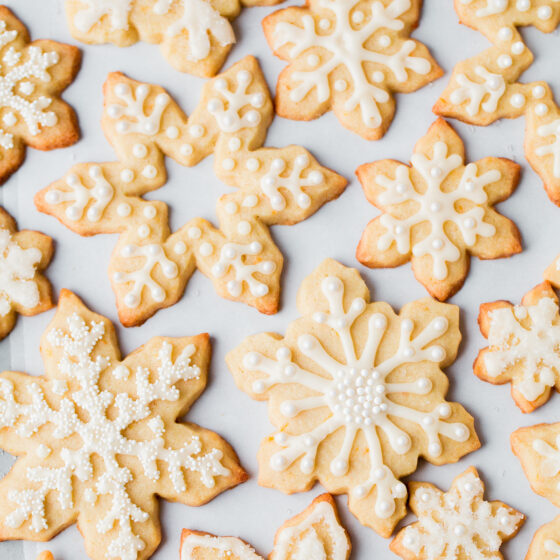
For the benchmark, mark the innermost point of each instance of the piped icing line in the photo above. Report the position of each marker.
(104, 396)
(151, 265)
(485, 87)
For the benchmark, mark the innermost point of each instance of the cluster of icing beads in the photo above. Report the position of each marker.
(437, 189)
(349, 54)
(457, 522)
(81, 402)
(28, 93)
(485, 87)
(151, 266)
(195, 35)
(315, 534)
(359, 394)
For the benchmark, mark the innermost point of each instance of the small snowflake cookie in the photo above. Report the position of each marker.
(546, 542)
(314, 534)
(456, 524)
(98, 438)
(32, 77)
(349, 56)
(524, 346)
(23, 289)
(151, 265)
(437, 210)
(485, 88)
(195, 36)
(357, 394)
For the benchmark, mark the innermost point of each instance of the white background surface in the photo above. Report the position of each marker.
(80, 264)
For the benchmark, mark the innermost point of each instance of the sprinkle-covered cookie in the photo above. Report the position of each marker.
(437, 211)
(32, 78)
(23, 256)
(357, 394)
(314, 534)
(524, 346)
(151, 265)
(349, 56)
(98, 438)
(459, 523)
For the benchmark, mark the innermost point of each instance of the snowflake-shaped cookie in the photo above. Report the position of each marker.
(98, 437)
(524, 346)
(546, 542)
(485, 88)
(456, 524)
(357, 393)
(314, 534)
(195, 36)
(32, 77)
(151, 266)
(23, 289)
(438, 210)
(348, 56)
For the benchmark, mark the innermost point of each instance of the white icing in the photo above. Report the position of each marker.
(81, 360)
(229, 118)
(95, 10)
(17, 274)
(226, 547)
(536, 346)
(551, 130)
(345, 47)
(549, 467)
(492, 7)
(436, 207)
(80, 196)
(154, 255)
(358, 395)
(491, 91)
(459, 522)
(136, 120)
(552, 546)
(272, 182)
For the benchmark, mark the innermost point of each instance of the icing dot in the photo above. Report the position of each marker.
(340, 85)
(250, 201)
(384, 41)
(517, 100)
(206, 249)
(505, 34)
(9, 119)
(504, 61)
(437, 244)
(231, 208)
(121, 372)
(52, 197)
(434, 449)
(196, 131)
(436, 172)
(539, 92)
(234, 144)
(194, 233)
(378, 76)
(139, 151)
(313, 60)
(149, 212)
(544, 12)
(252, 164)
(149, 172)
(244, 227)
(172, 132)
(444, 410)
(127, 175)
(459, 530)
(43, 451)
(469, 223)
(228, 164)
(494, 83)
(123, 209)
(324, 23)
(517, 48)
(358, 16)
(180, 248)
(186, 150)
(523, 5)
(144, 231)
(541, 109)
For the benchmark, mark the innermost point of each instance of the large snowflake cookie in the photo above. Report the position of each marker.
(314, 534)
(437, 210)
(357, 394)
(485, 88)
(97, 437)
(524, 346)
(456, 524)
(23, 289)
(195, 36)
(348, 56)
(150, 266)
(32, 77)
(546, 542)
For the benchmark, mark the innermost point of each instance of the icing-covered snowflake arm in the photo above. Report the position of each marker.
(459, 521)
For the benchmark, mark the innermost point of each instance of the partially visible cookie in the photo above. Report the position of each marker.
(32, 78)
(357, 394)
(349, 56)
(524, 346)
(45, 555)
(195, 36)
(457, 524)
(23, 256)
(438, 211)
(546, 542)
(314, 534)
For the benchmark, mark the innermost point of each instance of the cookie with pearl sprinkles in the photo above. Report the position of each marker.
(438, 211)
(23, 256)
(33, 75)
(458, 524)
(97, 437)
(349, 57)
(357, 394)
(485, 88)
(194, 36)
(314, 534)
(524, 346)
(151, 265)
